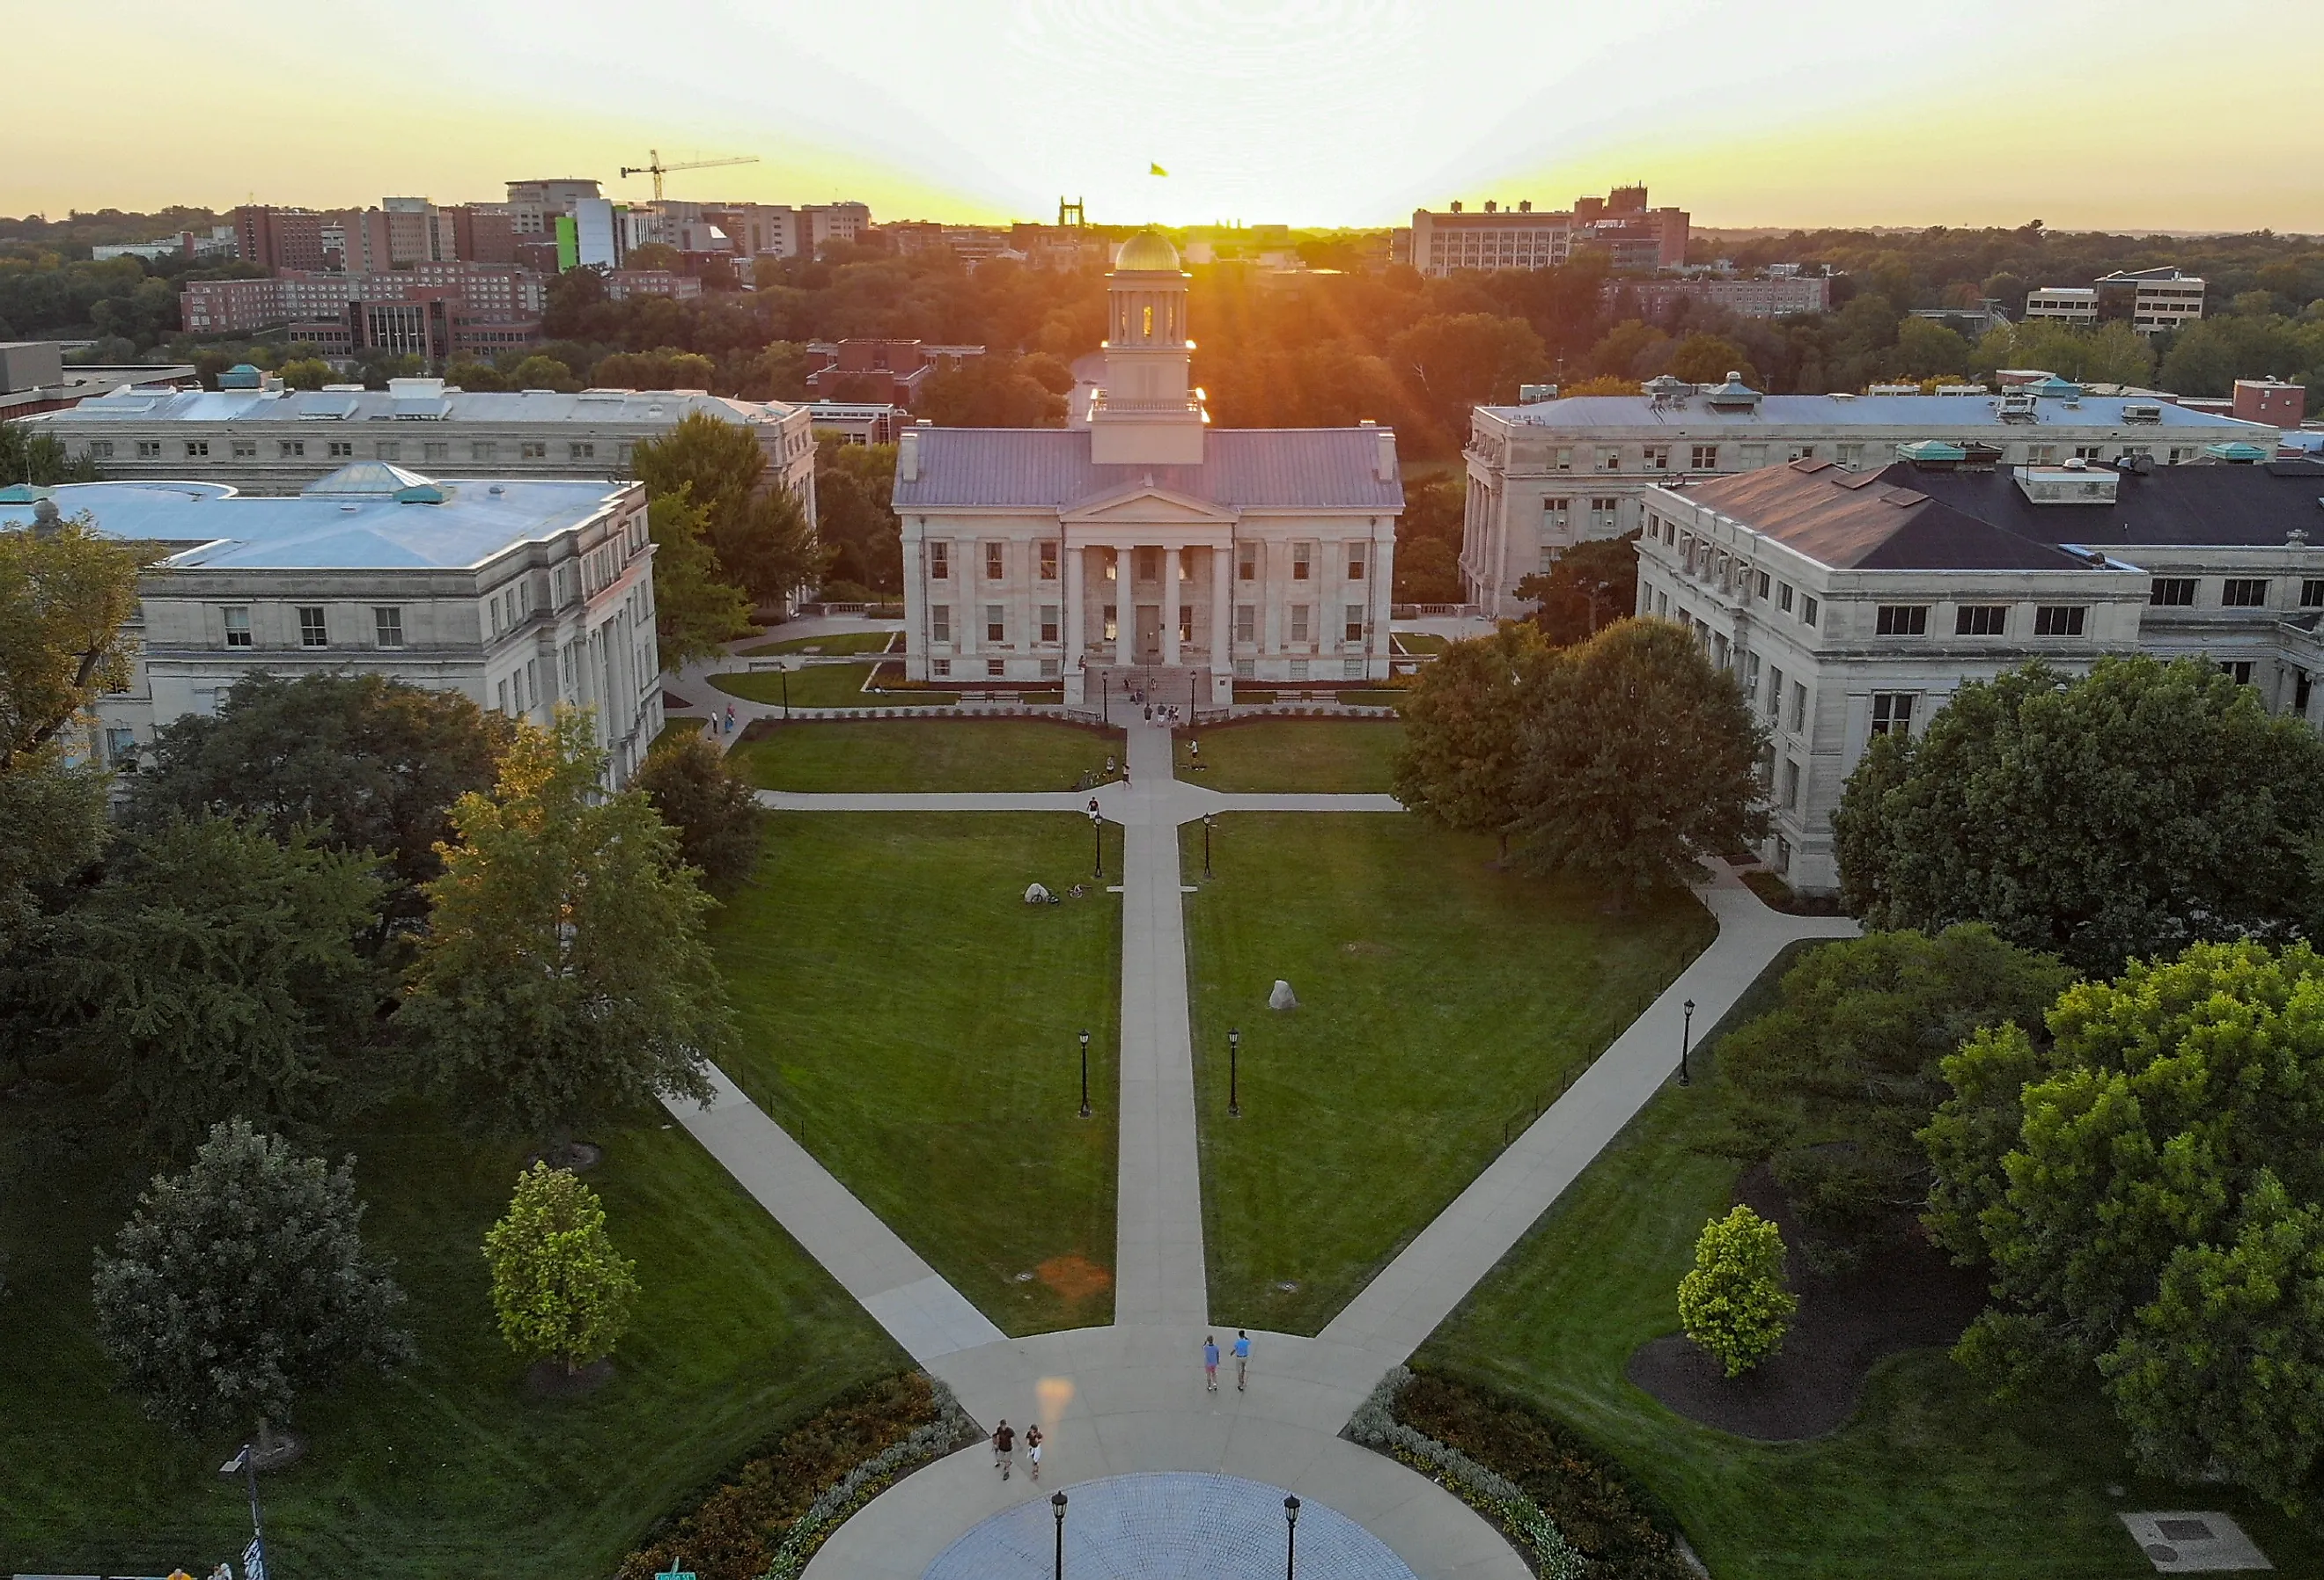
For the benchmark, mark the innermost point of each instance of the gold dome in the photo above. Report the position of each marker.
(1149, 253)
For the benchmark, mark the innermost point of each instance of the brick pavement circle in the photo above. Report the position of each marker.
(1169, 1525)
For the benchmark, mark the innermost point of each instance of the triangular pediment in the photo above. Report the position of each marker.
(1144, 503)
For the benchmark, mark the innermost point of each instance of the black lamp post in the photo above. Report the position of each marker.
(1290, 1536)
(1058, 1505)
(1209, 819)
(255, 1557)
(1194, 696)
(1097, 840)
(1085, 1107)
(786, 674)
(1686, 1036)
(1234, 1060)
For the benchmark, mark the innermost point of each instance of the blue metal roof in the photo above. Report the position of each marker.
(222, 530)
(1244, 469)
(1913, 416)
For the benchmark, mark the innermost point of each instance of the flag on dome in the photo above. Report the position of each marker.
(1156, 169)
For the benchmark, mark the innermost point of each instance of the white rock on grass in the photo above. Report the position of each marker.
(1282, 998)
(1036, 895)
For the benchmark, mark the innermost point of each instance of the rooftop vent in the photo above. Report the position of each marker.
(2017, 407)
(2142, 413)
(2068, 484)
(1734, 395)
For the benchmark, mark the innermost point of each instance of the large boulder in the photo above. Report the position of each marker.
(1282, 998)
(1036, 895)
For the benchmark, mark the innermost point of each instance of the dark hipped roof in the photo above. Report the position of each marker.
(1871, 521)
(1244, 469)
(1907, 518)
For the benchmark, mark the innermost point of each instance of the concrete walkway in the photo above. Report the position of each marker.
(1130, 1396)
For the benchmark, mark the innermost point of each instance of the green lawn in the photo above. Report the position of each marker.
(925, 754)
(823, 686)
(1437, 997)
(911, 1020)
(450, 1468)
(1420, 641)
(1930, 1479)
(845, 641)
(1297, 754)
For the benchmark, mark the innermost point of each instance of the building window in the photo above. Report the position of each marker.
(1705, 458)
(1803, 452)
(2064, 619)
(100, 449)
(1299, 669)
(1048, 559)
(1355, 562)
(1755, 455)
(2312, 594)
(1791, 784)
(1892, 711)
(1355, 623)
(289, 448)
(939, 562)
(484, 449)
(198, 449)
(1902, 620)
(532, 449)
(1149, 565)
(995, 669)
(313, 631)
(436, 451)
(1976, 619)
(2089, 452)
(1609, 459)
(580, 450)
(1784, 595)
(1113, 623)
(1775, 694)
(387, 449)
(1656, 458)
(1602, 514)
(1246, 622)
(237, 625)
(1851, 455)
(1807, 610)
(1298, 622)
(1799, 707)
(389, 623)
(150, 449)
(2243, 593)
(1302, 564)
(1563, 460)
(994, 564)
(1048, 623)
(1246, 668)
(1760, 580)
(2237, 670)
(1186, 622)
(2172, 592)
(996, 622)
(1246, 562)
(1554, 514)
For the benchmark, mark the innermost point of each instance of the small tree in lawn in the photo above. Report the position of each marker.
(1735, 1303)
(561, 1289)
(565, 978)
(715, 813)
(241, 1283)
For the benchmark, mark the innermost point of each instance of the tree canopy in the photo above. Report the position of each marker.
(853, 517)
(696, 614)
(1593, 584)
(559, 1288)
(2147, 1188)
(564, 978)
(241, 1283)
(714, 812)
(1459, 761)
(1833, 1085)
(1736, 1301)
(758, 532)
(2123, 814)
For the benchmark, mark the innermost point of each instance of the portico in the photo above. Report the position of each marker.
(1149, 539)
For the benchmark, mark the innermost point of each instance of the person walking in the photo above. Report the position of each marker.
(1211, 1363)
(730, 719)
(1033, 1451)
(1004, 1449)
(1242, 1359)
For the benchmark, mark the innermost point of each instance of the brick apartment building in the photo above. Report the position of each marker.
(433, 310)
(854, 371)
(1637, 239)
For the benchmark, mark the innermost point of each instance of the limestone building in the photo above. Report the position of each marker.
(1544, 477)
(521, 594)
(1147, 540)
(1850, 604)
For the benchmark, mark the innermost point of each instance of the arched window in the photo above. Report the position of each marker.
(1150, 323)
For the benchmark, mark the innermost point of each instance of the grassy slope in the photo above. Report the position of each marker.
(1929, 1480)
(911, 1020)
(450, 1468)
(1438, 996)
(925, 754)
(1349, 756)
(841, 642)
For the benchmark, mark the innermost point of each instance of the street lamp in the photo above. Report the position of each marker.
(786, 674)
(1057, 1504)
(1686, 1036)
(1234, 1060)
(1209, 820)
(253, 1557)
(1097, 839)
(1290, 1536)
(1085, 1107)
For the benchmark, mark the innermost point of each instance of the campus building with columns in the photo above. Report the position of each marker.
(1147, 541)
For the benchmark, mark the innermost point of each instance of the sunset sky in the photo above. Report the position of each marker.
(2130, 114)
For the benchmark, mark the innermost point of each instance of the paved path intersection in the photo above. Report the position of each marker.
(1129, 1398)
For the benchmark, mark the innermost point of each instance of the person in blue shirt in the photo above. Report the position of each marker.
(1242, 1359)
(1211, 1360)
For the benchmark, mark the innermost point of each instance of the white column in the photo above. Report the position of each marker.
(1072, 666)
(1383, 595)
(916, 610)
(1221, 621)
(1172, 603)
(1125, 606)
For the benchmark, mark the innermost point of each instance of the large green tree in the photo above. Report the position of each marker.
(1455, 361)
(1459, 762)
(2123, 814)
(241, 1283)
(2147, 1187)
(30, 455)
(559, 1288)
(217, 972)
(993, 392)
(696, 614)
(564, 979)
(715, 811)
(1593, 584)
(852, 486)
(1832, 1085)
(369, 763)
(759, 532)
(1636, 755)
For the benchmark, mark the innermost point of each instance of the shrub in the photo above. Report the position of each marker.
(561, 1289)
(1735, 1304)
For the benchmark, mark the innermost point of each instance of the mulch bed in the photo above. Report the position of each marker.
(1908, 1298)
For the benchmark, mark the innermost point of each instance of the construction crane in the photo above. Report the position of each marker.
(654, 167)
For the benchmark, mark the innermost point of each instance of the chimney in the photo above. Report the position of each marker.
(908, 456)
(1384, 458)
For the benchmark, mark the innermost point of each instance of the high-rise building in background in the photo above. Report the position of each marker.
(1634, 238)
(278, 239)
(533, 206)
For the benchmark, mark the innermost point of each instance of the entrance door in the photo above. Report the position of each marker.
(1149, 634)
